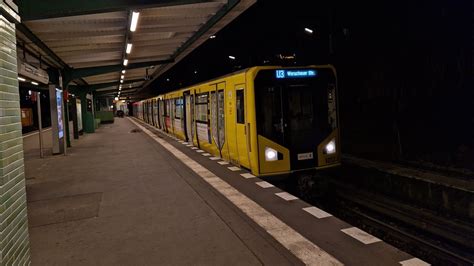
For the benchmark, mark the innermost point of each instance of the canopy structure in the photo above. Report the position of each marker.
(90, 38)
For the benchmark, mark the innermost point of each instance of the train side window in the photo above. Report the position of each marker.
(202, 107)
(240, 106)
(178, 105)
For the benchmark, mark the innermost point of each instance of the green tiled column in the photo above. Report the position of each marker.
(14, 241)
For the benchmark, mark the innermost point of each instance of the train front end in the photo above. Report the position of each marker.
(297, 119)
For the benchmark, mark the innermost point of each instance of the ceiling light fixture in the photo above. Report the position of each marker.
(34, 83)
(212, 37)
(122, 77)
(232, 57)
(308, 30)
(129, 48)
(123, 71)
(125, 62)
(21, 79)
(133, 25)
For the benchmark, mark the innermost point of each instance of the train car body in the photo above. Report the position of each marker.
(271, 120)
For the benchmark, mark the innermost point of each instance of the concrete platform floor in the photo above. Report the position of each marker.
(118, 198)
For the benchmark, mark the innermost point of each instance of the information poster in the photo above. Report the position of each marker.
(79, 114)
(59, 104)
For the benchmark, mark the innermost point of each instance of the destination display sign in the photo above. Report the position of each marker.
(295, 73)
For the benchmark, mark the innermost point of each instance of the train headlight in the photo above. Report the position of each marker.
(330, 147)
(270, 154)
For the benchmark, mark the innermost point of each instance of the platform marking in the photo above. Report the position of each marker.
(414, 262)
(199, 151)
(316, 212)
(194, 148)
(286, 196)
(264, 184)
(247, 175)
(360, 235)
(180, 141)
(205, 154)
(233, 168)
(184, 143)
(223, 163)
(190, 145)
(214, 158)
(302, 248)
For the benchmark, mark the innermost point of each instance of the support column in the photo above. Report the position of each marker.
(14, 239)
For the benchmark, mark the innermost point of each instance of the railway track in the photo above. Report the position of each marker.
(436, 239)
(419, 232)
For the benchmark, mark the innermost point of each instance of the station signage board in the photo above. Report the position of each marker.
(295, 73)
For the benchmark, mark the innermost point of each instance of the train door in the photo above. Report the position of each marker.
(217, 116)
(231, 128)
(172, 114)
(152, 109)
(145, 105)
(162, 114)
(213, 114)
(241, 126)
(150, 104)
(221, 116)
(188, 117)
(157, 114)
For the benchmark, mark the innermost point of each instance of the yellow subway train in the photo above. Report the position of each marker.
(271, 120)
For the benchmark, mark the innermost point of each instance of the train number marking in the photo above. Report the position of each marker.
(305, 156)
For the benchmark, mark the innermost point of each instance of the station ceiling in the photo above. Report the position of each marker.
(92, 36)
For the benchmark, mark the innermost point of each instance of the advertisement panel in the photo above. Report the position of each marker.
(59, 104)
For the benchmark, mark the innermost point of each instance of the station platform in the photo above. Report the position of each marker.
(130, 195)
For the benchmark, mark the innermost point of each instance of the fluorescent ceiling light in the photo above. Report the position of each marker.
(232, 57)
(308, 30)
(125, 62)
(121, 81)
(122, 77)
(212, 36)
(123, 71)
(116, 98)
(21, 79)
(34, 83)
(129, 48)
(133, 25)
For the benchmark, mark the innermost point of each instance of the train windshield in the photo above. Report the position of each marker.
(295, 111)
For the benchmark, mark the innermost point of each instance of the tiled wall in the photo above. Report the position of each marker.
(14, 242)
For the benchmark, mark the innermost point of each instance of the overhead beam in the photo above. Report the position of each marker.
(94, 87)
(41, 45)
(123, 92)
(93, 71)
(38, 42)
(34, 9)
